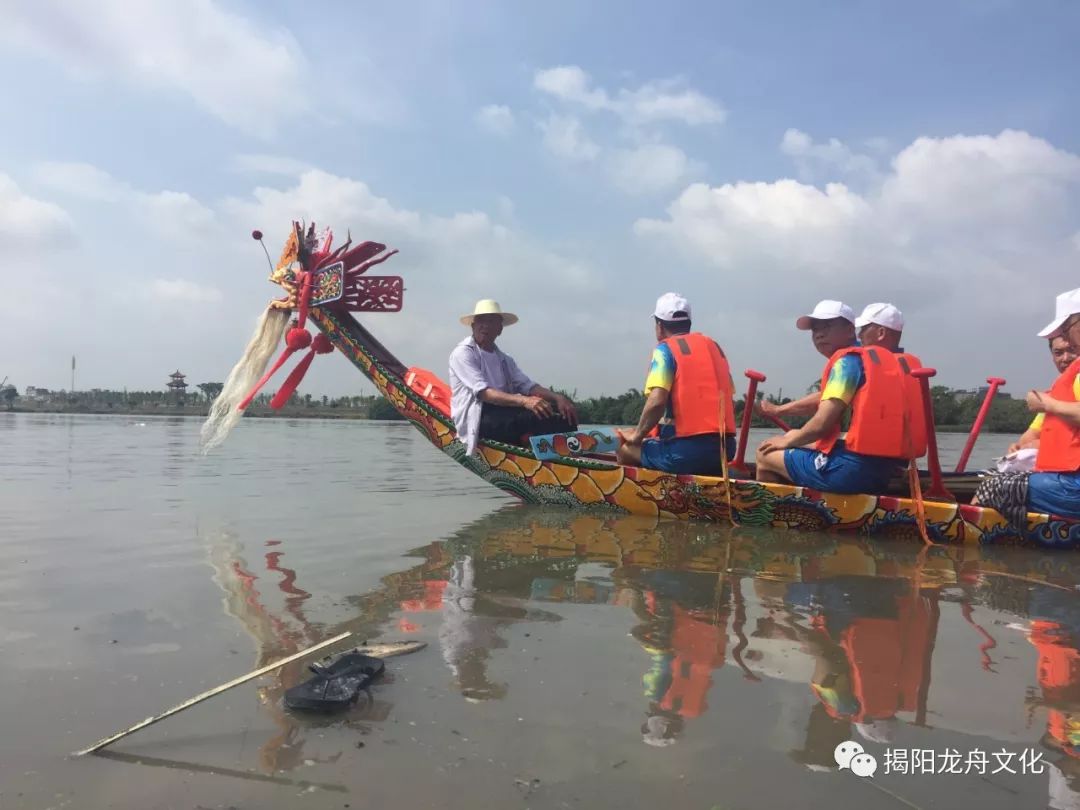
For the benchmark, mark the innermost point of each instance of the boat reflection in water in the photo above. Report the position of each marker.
(889, 639)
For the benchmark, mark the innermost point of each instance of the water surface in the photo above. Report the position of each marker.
(572, 661)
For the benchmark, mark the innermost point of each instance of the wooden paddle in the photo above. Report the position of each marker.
(984, 409)
(376, 650)
(937, 486)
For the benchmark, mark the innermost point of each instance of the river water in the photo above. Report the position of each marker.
(571, 662)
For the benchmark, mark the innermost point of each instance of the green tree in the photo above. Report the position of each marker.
(381, 409)
(211, 389)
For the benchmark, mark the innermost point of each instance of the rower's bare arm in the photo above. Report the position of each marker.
(803, 406)
(651, 414)
(1029, 438)
(825, 418)
(1069, 411)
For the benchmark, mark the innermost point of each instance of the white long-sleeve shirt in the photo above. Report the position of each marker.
(473, 370)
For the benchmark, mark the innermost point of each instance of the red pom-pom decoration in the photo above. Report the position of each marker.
(256, 235)
(298, 338)
(322, 344)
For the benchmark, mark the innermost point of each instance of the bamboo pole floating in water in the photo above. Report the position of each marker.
(217, 690)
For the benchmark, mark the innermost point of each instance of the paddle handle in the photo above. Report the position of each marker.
(755, 377)
(984, 410)
(937, 485)
(217, 690)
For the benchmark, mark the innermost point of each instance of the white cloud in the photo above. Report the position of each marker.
(571, 83)
(81, 180)
(27, 223)
(175, 215)
(649, 169)
(817, 159)
(268, 164)
(495, 119)
(652, 102)
(971, 235)
(248, 76)
(565, 137)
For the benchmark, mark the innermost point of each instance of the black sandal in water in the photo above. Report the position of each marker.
(337, 685)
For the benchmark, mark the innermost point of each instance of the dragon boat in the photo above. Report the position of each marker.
(328, 287)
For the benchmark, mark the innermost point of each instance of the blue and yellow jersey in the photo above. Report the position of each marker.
(845, 378)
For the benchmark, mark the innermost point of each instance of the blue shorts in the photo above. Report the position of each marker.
(1056, 493)
(686, 455)
(841, 470)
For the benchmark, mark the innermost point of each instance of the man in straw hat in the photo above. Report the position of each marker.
(491, 397)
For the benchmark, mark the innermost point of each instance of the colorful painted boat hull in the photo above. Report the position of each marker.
(590, 485)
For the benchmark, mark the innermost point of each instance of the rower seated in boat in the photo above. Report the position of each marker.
(883, 325)
(689, 413)
(491, 397)
(1062, 354)
(1054, 487)
(886, 429)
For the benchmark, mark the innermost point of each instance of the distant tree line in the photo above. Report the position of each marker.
(196, 401)
(953, 409)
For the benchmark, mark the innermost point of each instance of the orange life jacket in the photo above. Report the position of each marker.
(916, 432)
(889, 659)
(699, 649)
(883, 412)
(1059, 441)
(430, 387)
(702, 386)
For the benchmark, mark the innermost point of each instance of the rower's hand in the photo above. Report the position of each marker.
(1035, 402)
(766, 408)
(776, 443)
(538, 406)
(631, 437)
(1015, 447)
(566, 409)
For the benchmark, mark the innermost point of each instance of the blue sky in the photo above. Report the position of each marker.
(573, 160)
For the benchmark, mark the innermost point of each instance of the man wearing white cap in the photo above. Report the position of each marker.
(832, 327)
(879, 441)
(491, 397)
(1054, 487)
(880, 325)
(1061, 353)
(689, 414)
(883, 325)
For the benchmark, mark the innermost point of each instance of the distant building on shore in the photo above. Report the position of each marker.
(35, 394)
(178, 385)
(978, 393)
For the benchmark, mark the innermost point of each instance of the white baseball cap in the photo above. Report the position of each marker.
(1068, 304)
(670, 303)
(826, 311)
(883, 315)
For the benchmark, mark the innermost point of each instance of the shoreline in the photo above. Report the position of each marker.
(260, 412)
(333, 414)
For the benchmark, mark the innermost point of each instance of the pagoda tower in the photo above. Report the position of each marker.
(178, 385)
